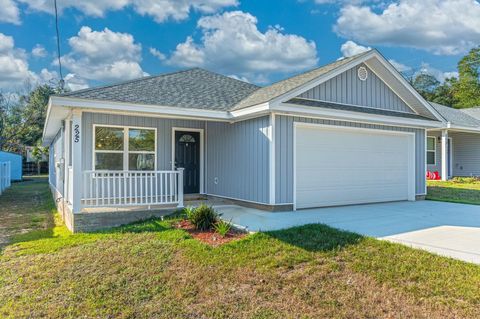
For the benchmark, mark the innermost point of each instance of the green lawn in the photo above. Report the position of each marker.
(150, 270)
(457, 190)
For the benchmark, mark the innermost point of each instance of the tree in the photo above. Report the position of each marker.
(22, 120)
(467, 89)
(426, 84)
(38, 153)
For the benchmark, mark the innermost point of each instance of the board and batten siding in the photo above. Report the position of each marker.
(466, 154)
(238, 159)
(347, 88)
(164, 134)
(284, 152)
(56, 152)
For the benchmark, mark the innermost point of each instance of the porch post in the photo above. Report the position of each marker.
(66, 155)
(76, 136)
(180, 187)
(445, 155)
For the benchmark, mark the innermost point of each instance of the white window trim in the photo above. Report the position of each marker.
(434, 150)
(202, 152)
(125, 150)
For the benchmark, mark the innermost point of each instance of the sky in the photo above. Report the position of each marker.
(108, 41)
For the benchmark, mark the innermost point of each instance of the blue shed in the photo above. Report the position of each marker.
(16, 164)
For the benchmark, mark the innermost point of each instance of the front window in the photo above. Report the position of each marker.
(431, 150)
(118, 148)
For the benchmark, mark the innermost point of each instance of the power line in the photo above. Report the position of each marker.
(62, 82)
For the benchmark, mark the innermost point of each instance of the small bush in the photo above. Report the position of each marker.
(188, 211)
(203, 217)
(222, 227)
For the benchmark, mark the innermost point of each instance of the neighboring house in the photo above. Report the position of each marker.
(350, 132)
(15, 164)
(454, 150)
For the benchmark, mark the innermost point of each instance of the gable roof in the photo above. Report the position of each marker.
(458, 117)
(194, 88)
(277, 89)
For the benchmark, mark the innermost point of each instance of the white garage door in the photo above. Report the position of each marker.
(343, 166)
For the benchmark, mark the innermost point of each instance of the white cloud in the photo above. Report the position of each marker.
(9, 12)
(14, 69)
(95, 8)
(160, 10)
(39, 51)
(232, 44)
(438, 26)
(159, 55)
(438, 74)
(103, 55)
(399, 66)
(350, 48)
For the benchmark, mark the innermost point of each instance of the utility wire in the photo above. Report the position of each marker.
(62, 82)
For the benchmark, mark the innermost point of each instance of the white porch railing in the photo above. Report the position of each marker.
(132, 188)
(5, 176)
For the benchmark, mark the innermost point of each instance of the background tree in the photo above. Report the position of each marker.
(22, 120)
(463, 92)
(467, 89)
(38, 154)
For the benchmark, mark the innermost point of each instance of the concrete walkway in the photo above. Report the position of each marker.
(447, 229)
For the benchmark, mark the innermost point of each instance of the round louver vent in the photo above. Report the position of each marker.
(362, 73)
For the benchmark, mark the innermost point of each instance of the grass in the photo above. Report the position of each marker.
(151, 270)
(458, 190)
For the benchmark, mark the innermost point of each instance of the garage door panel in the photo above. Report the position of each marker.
(341, 166)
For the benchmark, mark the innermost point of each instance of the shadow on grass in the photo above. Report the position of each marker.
(316, 237)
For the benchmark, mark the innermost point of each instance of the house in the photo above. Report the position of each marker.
(351, 132)
(454, 150)
(15, 161)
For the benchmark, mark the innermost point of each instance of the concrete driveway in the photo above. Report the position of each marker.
(444, 228)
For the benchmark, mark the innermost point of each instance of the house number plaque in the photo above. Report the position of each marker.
(76, 133)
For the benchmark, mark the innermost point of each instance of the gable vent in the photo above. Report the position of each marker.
(362, 73)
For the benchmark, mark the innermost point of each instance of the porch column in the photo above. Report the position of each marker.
(66, 154)
(445, 155)
(76, 136)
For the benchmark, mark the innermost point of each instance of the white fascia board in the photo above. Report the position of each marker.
(403, 81)
(251, 110)
(306, 111)
(465, 129)
(139, 108)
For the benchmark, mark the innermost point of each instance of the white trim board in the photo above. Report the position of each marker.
(202, 152)
(411, 152)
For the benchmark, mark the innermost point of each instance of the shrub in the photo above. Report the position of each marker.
(188, 211)
(222, 227)
(203, 217)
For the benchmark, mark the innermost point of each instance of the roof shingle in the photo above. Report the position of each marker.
(456, 117)
(194, 88)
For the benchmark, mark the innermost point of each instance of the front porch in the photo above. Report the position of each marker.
(453, 153)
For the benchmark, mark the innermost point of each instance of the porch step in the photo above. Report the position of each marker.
(190, 197)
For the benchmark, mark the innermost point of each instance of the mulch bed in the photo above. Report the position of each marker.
(210, 236)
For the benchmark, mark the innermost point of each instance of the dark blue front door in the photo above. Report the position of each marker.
(187, 155)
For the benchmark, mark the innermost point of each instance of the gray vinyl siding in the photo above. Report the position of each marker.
(437, 167)
(466, 154)
(284, 152)
(55, 154)
(238, 158)
(347, 88)
(164, 134)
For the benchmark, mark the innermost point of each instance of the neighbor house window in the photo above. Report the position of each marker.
(124, 148)
(431, 150)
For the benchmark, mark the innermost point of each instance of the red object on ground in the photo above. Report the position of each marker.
(437, 176)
